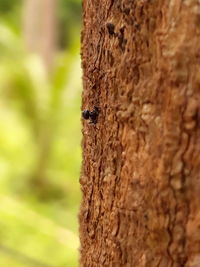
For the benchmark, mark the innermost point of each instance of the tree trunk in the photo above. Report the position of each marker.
(40, 29)
(141, 165)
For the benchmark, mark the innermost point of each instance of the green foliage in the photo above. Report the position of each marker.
(10, 12)
(39, 151)
(8, 6)
(68, 14)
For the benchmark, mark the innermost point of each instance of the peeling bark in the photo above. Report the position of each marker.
(141, 166)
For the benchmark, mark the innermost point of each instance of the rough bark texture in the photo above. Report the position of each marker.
(141, 168)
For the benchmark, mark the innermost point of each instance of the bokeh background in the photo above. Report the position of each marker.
(40, 155)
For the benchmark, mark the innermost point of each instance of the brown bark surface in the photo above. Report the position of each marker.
(141, 166)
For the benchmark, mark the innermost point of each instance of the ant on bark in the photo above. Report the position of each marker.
(91, 115)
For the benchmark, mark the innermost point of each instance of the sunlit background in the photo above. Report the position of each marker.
(40, 155)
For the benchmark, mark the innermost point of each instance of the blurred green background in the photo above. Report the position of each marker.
(40, 155)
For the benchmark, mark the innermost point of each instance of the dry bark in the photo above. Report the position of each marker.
(141, 167)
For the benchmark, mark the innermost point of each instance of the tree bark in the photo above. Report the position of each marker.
(141, 166)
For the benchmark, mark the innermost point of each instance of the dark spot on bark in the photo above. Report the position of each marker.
(119, 7)
(98, 47)
(111, 28)
(127, 11)
(122, 41)
(137, 26)
(122, 30)
(110, 58)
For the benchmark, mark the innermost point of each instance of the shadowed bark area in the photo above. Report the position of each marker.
(141, 166)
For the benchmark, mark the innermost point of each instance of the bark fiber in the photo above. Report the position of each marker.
(141, 162)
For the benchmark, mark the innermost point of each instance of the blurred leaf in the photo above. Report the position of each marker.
(40, 151)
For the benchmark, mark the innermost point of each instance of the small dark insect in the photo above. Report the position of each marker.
(92, 115)
(86, 114)
(111, 28)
